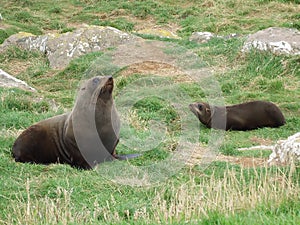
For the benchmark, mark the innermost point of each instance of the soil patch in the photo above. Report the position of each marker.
(15, 67)
(246, 162)
(156, 68)
(261, 141)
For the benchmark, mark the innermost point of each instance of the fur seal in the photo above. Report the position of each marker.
(84, 137)
(245, 116)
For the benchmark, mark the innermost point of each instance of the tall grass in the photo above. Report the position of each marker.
(171, 203)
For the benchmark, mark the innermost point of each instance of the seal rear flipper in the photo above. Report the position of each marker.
(128, 156)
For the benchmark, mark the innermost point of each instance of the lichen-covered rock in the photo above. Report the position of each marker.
(275, 39)
(26, 41)
(60, 49)
(286, 151)
(9, 81)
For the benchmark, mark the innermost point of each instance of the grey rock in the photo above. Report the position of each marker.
(275, 39)
(26, 41)
(230, 36)
(60, 49)
(202, 37)
(9, 81)
(286, 151)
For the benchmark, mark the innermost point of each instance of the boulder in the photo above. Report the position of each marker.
(60, 49)
(275, 39)
(286, 151)
(26, 41)
(9, 81)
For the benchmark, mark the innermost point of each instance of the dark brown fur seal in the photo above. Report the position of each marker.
(245, 116)
(82, 138)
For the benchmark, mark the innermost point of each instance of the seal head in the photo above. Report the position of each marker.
(202, 111)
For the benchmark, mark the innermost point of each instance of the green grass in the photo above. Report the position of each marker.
(221, 17)
(222, 193)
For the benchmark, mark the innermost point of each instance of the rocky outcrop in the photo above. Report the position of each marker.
(9, 81)
(286, 151)
(275, 39)
(60, 49)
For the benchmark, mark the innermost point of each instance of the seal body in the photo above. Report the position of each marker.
(82, 138)
(245, 116)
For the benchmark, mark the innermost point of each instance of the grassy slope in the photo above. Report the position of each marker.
(31, 193)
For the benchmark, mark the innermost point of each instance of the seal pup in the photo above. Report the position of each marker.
(84, 137)
(244, 116)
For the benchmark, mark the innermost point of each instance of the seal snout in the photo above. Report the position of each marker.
(109, 85)
(194, 107)
(110, 81)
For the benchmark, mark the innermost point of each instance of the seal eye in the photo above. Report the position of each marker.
(96, 80)
(200, 107)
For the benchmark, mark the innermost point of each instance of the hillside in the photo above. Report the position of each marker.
(237, 187)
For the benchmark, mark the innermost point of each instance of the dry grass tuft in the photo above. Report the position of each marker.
(132, 118)
(10, 132)
(227, 195)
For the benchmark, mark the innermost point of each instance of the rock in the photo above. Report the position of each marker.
(286, 151)
(202, 37)
(230, 36)
(275, 39)
(26, 41)
(7, 80)
(60, 49)
(162, 33)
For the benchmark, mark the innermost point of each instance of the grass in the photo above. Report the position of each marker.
(209, 199)
(221, 193)
(222, 17)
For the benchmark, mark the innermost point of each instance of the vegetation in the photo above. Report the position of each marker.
(221, 193)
